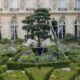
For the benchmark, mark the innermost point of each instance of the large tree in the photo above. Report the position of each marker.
(38, 25)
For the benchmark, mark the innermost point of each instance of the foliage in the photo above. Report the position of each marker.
(40, 73)
(3, 60)
(18, 41)
(3, 69)
(62, 75)
(24, 58)
(14, 75)
(37, 24)
(69, 38)
(5, 41)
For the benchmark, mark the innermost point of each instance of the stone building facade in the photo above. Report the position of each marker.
(12, 12)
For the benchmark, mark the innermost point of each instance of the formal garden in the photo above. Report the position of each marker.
(39, 61)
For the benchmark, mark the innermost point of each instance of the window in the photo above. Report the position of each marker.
(61, 29)
(30, 5)
(77, 28)
(45, 4)
(14, 30)
(61, 6)
(77, 5)
(13, 5)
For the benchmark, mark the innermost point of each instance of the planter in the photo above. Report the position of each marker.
(39, 50)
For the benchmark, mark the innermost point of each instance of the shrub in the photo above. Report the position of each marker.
(59, 74)
(69, 38)
(24, 58)
(5, 41)
(40, 73)
(14, 75)
(21, 66)
(18, 41)
(3, 69)
(4, 60)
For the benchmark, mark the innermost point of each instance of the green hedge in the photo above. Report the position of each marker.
(42, 73)
(3, 69)
(4, 60)
(14, 75)
(73, 58)
(17, 65)
(59, 74)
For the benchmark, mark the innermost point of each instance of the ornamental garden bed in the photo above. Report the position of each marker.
(59, 74)
(14, 75)
(26, 58)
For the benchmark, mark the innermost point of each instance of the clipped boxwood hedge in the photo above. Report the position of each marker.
(42, 73)
(18, 65)
(4, 60)
(59, 74)
(3, 69)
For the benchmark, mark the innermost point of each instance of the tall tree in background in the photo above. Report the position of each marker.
(38, 25)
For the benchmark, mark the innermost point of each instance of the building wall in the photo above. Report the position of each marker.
(70, 15)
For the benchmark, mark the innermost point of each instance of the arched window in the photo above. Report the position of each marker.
(61, 29)
(30, 5)
(77, 28)
(13, 4)
(14, 27)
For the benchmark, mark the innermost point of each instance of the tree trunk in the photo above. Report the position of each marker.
(39, 44)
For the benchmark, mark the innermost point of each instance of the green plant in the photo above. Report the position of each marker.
(18, 41)
(38, 24)
(3, 69)
(69, 38)
(24, 58)
(14, 75)
(5, 41)
(62, 75)
(40, 73)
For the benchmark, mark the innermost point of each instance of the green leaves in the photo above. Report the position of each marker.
(38, 23)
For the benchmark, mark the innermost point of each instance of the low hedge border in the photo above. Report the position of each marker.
(43, 74)
(3, 69)
(21, 66)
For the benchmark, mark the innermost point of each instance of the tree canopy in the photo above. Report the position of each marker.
(37, 25)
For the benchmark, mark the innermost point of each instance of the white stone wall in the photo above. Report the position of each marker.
(6, 15)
